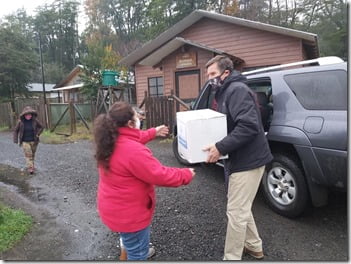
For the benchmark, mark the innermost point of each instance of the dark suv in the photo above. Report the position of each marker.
(304, 112)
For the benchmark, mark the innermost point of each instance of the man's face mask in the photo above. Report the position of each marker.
(216, 81)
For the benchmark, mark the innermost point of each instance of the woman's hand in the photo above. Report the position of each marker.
(162, 131)
(192, 172)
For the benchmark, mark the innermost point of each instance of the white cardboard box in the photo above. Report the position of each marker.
(198, 129)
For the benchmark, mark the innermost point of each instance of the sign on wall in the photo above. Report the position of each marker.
(186, 59)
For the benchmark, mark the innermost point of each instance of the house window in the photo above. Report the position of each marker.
(73, 96)
(155, 86)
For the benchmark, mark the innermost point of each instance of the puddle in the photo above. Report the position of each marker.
(17, 180)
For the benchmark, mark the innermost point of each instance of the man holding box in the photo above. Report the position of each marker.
(248, 152)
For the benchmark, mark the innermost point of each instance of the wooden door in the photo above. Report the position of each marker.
(187, 86)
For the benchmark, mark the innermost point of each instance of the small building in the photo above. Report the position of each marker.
(70, 85)
(175, 60)
(36, 90)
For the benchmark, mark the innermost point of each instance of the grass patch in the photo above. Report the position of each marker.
(4, 128)
(58, 137)
(167, 140)
(14, 224)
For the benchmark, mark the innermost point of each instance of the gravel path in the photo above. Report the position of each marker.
(189, 222)
(64, 190)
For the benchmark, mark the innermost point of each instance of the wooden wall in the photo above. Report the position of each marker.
(169, 67)
(257, 48)
(142, 73)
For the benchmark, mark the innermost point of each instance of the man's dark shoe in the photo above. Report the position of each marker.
(255, 254)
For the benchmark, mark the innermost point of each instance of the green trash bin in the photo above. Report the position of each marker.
(109, 78)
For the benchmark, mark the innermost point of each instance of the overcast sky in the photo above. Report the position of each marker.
(8, 7)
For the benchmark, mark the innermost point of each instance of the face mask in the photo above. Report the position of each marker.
(137, 123)
(216, 81)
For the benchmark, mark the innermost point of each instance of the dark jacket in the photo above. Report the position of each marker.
(19, 129)
(246, 142)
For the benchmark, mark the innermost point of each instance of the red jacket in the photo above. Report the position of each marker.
(126, 192)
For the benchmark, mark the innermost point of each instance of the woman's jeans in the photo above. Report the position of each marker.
(137, 244)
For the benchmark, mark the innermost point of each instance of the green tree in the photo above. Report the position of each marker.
(97, 59)
(91, 75)
(53, 72)
(326, 18)
(329, 21)
(21, 22)
(134, 22)
(18, 60)
(57, 23)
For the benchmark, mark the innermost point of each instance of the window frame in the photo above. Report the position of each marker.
(157, 85)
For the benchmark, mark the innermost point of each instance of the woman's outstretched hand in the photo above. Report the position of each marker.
(192, 172)
(162, 131)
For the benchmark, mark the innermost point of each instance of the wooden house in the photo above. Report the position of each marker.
(69, 86)
(175, 60)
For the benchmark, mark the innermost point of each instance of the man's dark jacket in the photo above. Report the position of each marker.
(246, 142)
(19, 129)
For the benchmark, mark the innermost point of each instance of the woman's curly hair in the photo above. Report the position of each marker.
(106, 130)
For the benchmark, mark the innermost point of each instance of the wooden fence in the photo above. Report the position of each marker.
(6, 115)
(158, 110)
(162, 110)
(73, 112)
(48, 114)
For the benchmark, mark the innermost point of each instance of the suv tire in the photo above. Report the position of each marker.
(284, 186)
(176, 153)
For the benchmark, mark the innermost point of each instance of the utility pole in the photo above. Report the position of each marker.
(43, 81)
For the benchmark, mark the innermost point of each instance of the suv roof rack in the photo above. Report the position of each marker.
(320, 61)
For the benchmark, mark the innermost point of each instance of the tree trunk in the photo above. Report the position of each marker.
(270, 12)
(279, 14)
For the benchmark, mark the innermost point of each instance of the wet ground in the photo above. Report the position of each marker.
(189, 223)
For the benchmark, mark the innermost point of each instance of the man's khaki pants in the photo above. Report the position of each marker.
(29, 149)
(241, 228)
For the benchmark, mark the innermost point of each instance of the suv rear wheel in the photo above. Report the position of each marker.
(284, 186)
(176, 152)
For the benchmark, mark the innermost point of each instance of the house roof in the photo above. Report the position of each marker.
(157, 56)
(69, 87)
(309, 39)
(69, 76)
(38, 87)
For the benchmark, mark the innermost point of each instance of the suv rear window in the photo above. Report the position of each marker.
(324, 90)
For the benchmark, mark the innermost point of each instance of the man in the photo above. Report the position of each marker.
(248, 152)
(26, 133)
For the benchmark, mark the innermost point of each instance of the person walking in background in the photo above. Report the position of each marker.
(26, 134)
(248, 152)
(128, 173)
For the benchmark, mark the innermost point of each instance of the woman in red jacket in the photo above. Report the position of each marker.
(128, 173)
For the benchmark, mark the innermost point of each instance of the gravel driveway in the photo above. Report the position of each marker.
(189, 223)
